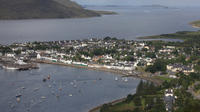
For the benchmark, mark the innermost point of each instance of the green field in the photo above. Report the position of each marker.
(163, 78)
(120, 107)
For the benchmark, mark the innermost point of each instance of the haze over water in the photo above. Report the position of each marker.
(131, 22)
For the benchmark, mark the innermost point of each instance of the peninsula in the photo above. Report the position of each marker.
(181, 35)
(195, 24)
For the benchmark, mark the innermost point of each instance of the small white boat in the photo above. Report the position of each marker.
(36, 89)
(126, 79)
(70, 95)
(52, 92)
(71, 83)
(116, 78)
(43, 97)
(75, 86)
(18, 95)
(23, 87)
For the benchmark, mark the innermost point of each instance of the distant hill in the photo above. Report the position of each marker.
(29, 9)
(156, 6)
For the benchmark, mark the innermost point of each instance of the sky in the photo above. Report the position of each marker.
(140, 2)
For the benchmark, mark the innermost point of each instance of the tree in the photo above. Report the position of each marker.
(197, 68)
(5, 50)
(150, 55)
(107, 38)
(98, 52)
(129, 58)
(159, 65)
(18, 52)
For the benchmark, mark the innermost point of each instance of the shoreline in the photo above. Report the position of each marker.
(119, 72)
(101, 13)
(105, 12)
(97, 109)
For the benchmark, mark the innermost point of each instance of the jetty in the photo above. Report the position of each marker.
(12, 64)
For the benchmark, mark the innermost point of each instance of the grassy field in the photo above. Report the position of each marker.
(122, 106)
(164, 78)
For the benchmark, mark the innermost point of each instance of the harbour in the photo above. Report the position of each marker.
(70, 89)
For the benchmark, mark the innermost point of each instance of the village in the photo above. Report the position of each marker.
(108, 53)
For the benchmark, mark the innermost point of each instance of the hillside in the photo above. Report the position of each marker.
(29, 9)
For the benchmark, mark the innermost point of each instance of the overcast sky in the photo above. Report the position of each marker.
(140, 2)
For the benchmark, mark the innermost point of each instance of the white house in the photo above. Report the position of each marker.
(66, 61)
(108, 57)
(60, 54)
(169, 92)
(38, 56)
(172, 76)
(85, 57)
(10, 55)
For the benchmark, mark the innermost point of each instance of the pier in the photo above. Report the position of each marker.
(9, 63)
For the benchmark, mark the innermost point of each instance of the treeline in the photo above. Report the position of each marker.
(148, 98)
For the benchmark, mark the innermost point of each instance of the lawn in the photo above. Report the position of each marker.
(164, 78)
(123, 106)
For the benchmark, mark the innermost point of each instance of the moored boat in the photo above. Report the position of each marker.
(10, 68)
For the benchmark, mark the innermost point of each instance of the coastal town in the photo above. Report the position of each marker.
(156, 61)
(99, 56)
(108, 53)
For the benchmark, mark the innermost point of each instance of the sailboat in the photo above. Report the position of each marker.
(116, 78)
(125, 79)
